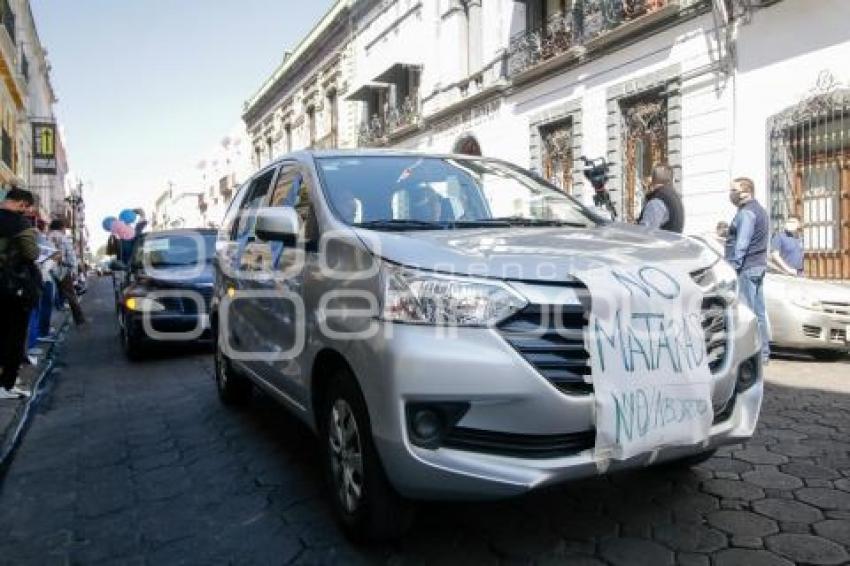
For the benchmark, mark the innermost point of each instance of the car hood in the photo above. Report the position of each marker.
(537, 254)
(824, 291)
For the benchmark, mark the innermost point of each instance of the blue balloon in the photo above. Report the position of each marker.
(107, 223)
(127, 216)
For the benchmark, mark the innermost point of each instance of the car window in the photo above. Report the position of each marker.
(284, 193)
(451, 193)
(255, 197)
(165, 250)
(303, 203)
(232, 213)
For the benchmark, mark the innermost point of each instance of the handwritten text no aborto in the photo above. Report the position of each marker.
(648, 360)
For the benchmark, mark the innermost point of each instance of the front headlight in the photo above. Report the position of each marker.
(805, 301)
(726, 281)
(143, 304)
(419, 297)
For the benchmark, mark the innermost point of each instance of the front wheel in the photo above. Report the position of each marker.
(233, 389)
(130, 342)
(365, 504)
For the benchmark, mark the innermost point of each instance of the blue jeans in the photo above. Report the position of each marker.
(39, 325)
(751, 292)
(45, 309)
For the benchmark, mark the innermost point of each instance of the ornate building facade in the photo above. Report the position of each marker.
(715, 88)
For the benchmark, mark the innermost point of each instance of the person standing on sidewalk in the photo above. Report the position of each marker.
(746, 251)
(663, 208)
(19, 286)
(39, 330)
(788, 248)
(66, 268)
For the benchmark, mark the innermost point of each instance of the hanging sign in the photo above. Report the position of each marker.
(648, 360)
(44, 148)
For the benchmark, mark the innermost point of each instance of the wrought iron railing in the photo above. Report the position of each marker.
(6, 148)
(584, 22)
(381, 126)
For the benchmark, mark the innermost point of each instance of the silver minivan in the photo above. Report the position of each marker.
(454, 327)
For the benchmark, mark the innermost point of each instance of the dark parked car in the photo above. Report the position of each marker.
(163, 295)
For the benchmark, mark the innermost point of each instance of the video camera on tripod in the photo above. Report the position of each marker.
(596, 171)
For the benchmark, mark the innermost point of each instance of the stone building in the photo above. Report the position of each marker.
(27, 98)
(299, 105)
(715, 88)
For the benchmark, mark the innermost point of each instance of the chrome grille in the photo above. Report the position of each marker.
(811, 331)
(551, 338)
(715, 326)
(842, 309)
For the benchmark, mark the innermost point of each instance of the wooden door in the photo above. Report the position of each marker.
(644, 145)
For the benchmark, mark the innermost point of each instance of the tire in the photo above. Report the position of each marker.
(233, 389)
(692, 460)
(828, 355)
(378, 513)
(133, 347)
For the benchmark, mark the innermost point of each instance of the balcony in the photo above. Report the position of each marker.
(389, 125)
(10, 73)
(589, 25)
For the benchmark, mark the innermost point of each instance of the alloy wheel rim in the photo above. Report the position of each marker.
(346, 455)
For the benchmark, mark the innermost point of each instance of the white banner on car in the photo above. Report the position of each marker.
(648, 360)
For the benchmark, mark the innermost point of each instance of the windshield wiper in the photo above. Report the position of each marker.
(523, 221)
(401, 224)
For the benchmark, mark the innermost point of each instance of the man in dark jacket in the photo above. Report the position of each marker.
(663, 208)
(18, 252)
(746, 251)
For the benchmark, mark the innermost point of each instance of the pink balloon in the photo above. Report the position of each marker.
(117, 227)
(128, 233)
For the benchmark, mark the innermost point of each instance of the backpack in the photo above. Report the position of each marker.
(19, 280)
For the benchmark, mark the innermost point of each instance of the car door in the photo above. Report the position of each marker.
(284, 322)
(242, 265)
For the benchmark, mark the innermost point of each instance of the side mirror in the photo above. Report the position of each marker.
(117, 265)
(277, 223)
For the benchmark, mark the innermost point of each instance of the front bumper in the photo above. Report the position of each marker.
(164, 327)
(795, 327)
(409, 364)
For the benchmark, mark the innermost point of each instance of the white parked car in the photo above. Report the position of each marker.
(804, 313)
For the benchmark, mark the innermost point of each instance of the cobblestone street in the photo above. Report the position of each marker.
(139, 463)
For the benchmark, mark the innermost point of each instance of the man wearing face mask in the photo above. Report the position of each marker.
(746, 251)
(788, 247)
(663, 208)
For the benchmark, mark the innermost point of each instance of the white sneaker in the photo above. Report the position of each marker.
(32, 360)
(21, 392)
(8, 394)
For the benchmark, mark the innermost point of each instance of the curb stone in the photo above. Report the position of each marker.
(10, 437)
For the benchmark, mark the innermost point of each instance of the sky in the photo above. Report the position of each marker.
(146, 87)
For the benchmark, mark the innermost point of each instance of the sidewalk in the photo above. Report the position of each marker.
(13, 413)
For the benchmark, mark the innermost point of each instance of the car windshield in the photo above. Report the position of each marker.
(427, 193)
(176, 250)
